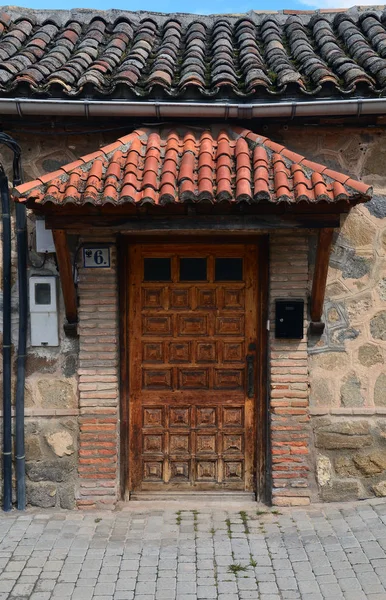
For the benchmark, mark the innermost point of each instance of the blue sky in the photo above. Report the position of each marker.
(198, 7)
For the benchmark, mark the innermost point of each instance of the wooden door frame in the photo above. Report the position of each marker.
(263, 459)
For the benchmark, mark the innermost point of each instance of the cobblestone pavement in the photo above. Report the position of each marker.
(184, 552)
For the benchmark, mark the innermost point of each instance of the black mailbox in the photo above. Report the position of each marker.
(289, 317)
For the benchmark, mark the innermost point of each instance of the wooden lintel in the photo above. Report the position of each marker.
(208, 224)
(323, 252)
(66, 276)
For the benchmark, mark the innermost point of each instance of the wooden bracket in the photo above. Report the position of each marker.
(323, 252)
(66, 278)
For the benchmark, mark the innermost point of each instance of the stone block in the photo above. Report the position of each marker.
(56, 393)
(345, 467)
(342, 490)
(381, 424)
(379, 458)
(344, 434)
(377, 206)
(378, 326)
(360, 427)
(374, 163)
(323, 470)
(380, 390)
(366, 465)
(350, 392)
(330, 361)
(49, 470)
(33, 450)
(319, 422)
(379, 489)
(41, 494)
(61, 442)
(358, 306)
(356, 267)
(320, 392)
(336, 441)
(67, 496)
(357, 229)
(369, 355)
(382, 284)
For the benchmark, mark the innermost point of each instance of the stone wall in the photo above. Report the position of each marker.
(51, 394)
(51, 409)
(347, 364)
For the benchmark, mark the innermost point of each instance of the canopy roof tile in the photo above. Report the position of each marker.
(172, 165)
(126, 55)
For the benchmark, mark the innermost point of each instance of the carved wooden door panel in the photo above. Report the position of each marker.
(192, 326)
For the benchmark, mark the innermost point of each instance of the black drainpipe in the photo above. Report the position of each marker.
(21, 236)
(7, 402)
(22, 245)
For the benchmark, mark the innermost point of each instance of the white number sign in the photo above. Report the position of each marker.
(97, 258)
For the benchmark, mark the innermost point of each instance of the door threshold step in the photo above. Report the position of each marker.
(193, 496)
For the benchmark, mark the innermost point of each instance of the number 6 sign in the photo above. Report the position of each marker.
(96, 258)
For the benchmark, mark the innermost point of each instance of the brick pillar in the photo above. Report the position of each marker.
(289, 386)
(98, 386)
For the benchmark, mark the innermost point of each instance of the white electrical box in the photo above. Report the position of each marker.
(43, 311)
(44, 239)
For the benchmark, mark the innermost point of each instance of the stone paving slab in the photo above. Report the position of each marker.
(173, 551)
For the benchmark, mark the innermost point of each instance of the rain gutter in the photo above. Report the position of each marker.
(30, 107)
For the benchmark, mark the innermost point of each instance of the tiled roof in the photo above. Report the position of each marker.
(165, 165)
(118, 54)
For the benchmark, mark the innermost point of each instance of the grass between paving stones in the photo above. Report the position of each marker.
(244, 519)
(229, 530)
(215, 569)
(236, 568)
(215, 573)
(195, 514)
(195, 520)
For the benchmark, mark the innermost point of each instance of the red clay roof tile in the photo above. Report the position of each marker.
(161, 166)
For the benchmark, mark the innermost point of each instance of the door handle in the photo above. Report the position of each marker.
(250, 375)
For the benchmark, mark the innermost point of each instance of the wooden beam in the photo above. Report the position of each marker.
(66, 276)
(203, 224)
(323, 252)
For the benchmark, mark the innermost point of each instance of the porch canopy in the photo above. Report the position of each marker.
(200, 180)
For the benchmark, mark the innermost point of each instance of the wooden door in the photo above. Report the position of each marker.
(192, 365)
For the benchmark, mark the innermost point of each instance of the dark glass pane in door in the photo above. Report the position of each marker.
(229, 269)
(193, 269)
(157, 269)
